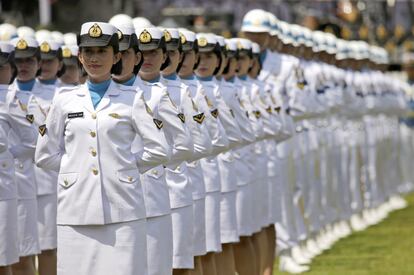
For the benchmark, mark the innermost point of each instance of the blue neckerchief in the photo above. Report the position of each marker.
(130, 81)
(97, 90)
(48, 81)
(155, 80)
(190, 77)
(231, 79)
(26, 85)
(172, 76)
(243, 77)
(263, 56)
(207, 78)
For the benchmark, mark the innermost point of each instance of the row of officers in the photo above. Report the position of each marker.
(162, 151)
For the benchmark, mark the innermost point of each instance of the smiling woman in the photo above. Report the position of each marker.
(101, 225)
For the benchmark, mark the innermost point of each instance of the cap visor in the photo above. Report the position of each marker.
(48, 56)
(102, 41)
(3, 60)
(149, 46)
(29, 52)
(206, 49)
(70, 61)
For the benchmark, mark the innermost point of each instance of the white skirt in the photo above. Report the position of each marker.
(27, 231)
(183, 249)
(228, 218)
(118, 248)
(9, 249)
(159, 245)
(213, 240)
(46, 221)
(244, 210)
(199, 233)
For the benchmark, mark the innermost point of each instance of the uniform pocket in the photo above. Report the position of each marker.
(128, 176)
(155, 172)
(66, 180)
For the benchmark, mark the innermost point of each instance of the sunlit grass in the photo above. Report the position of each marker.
(384, 249)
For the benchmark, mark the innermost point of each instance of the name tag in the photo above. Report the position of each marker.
(75, 115)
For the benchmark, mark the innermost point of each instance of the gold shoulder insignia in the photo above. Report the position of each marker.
(115, 115)
(199, 118)
(181, 116)
(42, 129)
(30, 118)
(209, 103)
(269, 110)
(257, 114)
(158, 123)
(215, 113)
(277, 109)
(22, 106)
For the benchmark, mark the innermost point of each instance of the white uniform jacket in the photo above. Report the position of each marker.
(91, 148)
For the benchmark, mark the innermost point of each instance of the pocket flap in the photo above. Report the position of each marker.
(156, 172)
(67, 179)
(128, 176)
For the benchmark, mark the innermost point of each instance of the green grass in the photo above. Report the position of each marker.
(383, 249)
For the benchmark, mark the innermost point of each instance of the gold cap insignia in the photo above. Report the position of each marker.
(199, 118)
(45, 47)
(209, 103)
(158, 123)
(202, 42)
(239, 45)
(95, 31)
(120, 35)
(183, 39)
(21, 44)
(167, 36)
(145, 37)
(66, 53)
(269, 109)
(42, 129)
(181, 116)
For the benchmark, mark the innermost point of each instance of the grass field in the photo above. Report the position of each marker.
(383, 249)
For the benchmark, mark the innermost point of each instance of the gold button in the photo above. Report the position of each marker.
(130, 178)
(94, 116)
(93, 134)
(93, 152)
(95, 171)
(154, 172)
(66, 182)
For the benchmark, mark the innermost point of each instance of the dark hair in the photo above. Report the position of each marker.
(117, 68)
(62, 70)
(138, 66)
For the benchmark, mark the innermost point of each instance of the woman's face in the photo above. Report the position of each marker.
(6, 73)
(50, 68)
(190, 58)
(208, 64)
(244, 64)
(27, 68)
(129, 60)
(71, 75)
(175, 59)
(232, 68)
(254, 72)
(98, 62)
(151, 66)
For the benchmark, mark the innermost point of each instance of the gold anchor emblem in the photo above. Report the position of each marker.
(167, 36)
(145, 37)
(66, 53)
(45, 47)
(183, 39)
(202, 42)
(95, 31)
(21, 44)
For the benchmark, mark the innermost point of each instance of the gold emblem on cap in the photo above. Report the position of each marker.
(167, 36)
(120, 35)
(21, 44)
(202, 42)
(95, 31)
(239, 45)
(66, 53)
(45, 47)
(145, 37)
(183, 39)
